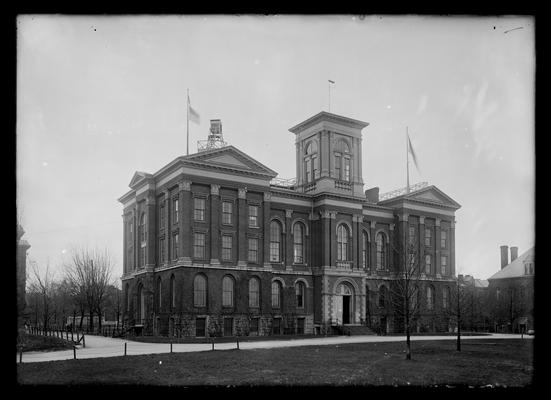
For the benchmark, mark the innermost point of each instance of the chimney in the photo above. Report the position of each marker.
(514, 253)
(372, 195)
(504, 256)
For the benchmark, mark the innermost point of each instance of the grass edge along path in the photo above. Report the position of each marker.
(505, 363)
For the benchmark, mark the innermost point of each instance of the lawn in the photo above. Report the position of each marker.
(43, 343)
(480, 363)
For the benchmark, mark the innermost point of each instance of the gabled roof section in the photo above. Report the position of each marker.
(516, 268)
(138, 178)
(325, 116)
(229, 157)
(428, 195)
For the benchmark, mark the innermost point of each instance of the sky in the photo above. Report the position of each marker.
(100, 97)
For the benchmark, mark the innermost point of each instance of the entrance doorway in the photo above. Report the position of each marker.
(346, 309)
(344, 297)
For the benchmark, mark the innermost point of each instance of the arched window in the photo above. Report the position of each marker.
(311, 162)
(430, 297)
(276, 294)
(446, 298)
(127, 297)
(141, 304)
(381, 251)
(275, 241)
(299, 291)
(254, 292)
(342, 161)
(365, 250)
(382, 296)
(342, 242)
(298, 243)
(200, 291)
(227, 291)
(414, 299)
(159, 294)
(172, 291)
(143, 242)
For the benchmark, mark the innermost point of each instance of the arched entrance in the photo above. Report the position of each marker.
(345, 304)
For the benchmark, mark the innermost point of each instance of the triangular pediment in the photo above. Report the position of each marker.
(432, 194)
(138, 177)
(230, 157)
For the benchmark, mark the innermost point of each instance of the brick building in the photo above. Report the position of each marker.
(214, 244)
(511, 292)
(21, 275)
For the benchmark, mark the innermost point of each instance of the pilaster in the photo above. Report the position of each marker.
(214, 224)
(266, 228)
(186, 208)
(242, 227)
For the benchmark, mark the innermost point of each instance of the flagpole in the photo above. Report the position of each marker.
(187, 123)
(407, 159)
(329, 87)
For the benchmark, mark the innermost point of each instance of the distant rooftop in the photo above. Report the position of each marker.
(516, 267)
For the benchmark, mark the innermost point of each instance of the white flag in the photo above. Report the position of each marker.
(193, 115)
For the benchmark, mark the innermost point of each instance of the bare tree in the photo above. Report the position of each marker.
(459, 305)
(405, 290)
(41, 288)
(89, 274)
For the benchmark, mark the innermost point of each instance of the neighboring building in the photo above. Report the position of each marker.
(475, 314)
(215, 245)
(22, 247)
(511, 292)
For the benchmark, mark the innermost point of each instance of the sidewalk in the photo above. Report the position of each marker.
(100, 346)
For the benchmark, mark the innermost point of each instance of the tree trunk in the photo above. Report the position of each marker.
(91, 322)
(81, 319)
(408, 342)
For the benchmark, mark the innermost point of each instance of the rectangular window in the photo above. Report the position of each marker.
(443, 237)
(276, 326)
(200, 330)
(428, 234)
(199, 209)
(443, 264)
(253, 327)
(274, 251)
(253, 250)
(347, 169)
(175, 246)
(162, 216)
(308, 170)
(228, 326)
(226, 212)
(427, 264)
(300, 326)
(337, 167)
(162, 250)
(315, 172)
(253, 216)
(412, 235)
(175, 211)
(199, 245)
(226, 247)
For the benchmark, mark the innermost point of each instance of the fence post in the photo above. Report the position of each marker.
(75, 352)
(124, 348)
(171, 347)
(20, 354)
(237, 342)
(213, 343)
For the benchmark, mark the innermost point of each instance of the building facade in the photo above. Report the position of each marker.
(22, 248)
(511, 292)
(215, 245)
